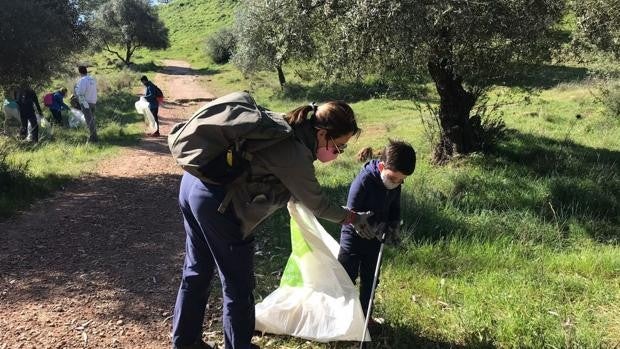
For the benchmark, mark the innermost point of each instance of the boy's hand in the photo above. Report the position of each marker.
(361, 225)
(393, 233)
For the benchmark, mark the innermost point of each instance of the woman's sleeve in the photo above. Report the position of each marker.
(301, 181)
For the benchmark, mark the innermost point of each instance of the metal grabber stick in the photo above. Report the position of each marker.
(372, 293)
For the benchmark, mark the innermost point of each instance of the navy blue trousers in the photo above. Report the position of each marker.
(155, 112)
(359, 256)
(213, 241)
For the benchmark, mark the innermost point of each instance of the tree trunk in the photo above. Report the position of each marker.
(459, 135)
(128, 54)
(281, 76)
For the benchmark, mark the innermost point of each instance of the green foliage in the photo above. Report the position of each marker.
(269, 34)
(610, 96)
(35, 37)
(221, 45)
(598, 25)
(128, 25)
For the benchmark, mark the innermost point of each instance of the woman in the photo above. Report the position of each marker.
(214, 240)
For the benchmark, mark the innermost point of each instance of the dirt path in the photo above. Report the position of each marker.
(98, 265)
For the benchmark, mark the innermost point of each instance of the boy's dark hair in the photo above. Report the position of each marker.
(144, 78)
(399, 156)
(82, 70)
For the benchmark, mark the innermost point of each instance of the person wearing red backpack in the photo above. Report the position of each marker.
(152, 95)
(55, 102)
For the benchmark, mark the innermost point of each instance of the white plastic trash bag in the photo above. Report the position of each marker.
(142, 107)
(76, 118)
(10, 110)
(316, 299)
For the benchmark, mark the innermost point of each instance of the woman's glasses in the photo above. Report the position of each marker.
(339, 147)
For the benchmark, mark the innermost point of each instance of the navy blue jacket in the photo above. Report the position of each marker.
(58, 102)
(151, 95)
(27, 100)
(367, 193)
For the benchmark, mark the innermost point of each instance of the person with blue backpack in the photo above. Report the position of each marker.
(57, 104)
(221, 216)
(152, 94)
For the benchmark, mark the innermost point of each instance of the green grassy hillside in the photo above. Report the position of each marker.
(190, 22)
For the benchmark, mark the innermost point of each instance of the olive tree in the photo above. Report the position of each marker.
(598, 24)
(36, 37)
(463, 46)
(270, 33)
(123, 26)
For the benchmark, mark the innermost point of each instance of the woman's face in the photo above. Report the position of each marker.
(328, 148)
(323, 140)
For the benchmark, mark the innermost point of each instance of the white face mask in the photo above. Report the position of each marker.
(387, 182)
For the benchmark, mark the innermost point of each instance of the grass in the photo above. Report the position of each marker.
(62, 155)
(516, 248)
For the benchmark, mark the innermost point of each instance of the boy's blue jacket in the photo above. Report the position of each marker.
(150, 95)
(58, 102)
(367, 193)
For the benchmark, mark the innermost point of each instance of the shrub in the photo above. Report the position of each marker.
(221, 45)
(610, 97)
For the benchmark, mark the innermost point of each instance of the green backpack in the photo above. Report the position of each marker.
(217, 142)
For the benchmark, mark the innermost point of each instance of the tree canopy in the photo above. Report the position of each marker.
(598, 25)
(270, 33)
(123, 26)
(463, 46)
(36, 37)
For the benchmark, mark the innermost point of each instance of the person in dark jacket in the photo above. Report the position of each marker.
(222, 240)
(150, 94)
(27, 100)
(58, 104)
(377, 189)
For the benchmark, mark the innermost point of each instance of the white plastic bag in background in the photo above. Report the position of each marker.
(10, 110)
(76, 118)
(39, 119)
(316, 299)
(142, 107)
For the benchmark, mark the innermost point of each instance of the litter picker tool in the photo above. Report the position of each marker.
(374, 286)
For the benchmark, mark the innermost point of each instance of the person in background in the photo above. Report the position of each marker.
(151, 96)
(27, 100)
(86, 92)
(376, 188)
(58, 104)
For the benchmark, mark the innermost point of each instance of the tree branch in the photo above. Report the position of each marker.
(107, 48)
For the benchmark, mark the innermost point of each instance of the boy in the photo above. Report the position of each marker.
(377, 189)
(151, 94)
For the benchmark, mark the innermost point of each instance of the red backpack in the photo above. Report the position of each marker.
(48, 99)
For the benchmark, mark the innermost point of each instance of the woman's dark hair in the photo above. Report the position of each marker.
(397, 156)
(336, 117)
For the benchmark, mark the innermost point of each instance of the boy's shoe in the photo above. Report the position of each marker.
(375, 324)
(154, 134)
